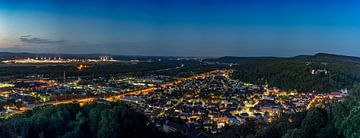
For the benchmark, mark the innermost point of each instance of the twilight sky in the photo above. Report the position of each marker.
(181, 27)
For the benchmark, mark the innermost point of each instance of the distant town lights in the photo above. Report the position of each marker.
(59, 60)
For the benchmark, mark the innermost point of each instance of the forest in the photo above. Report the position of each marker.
(296, 73)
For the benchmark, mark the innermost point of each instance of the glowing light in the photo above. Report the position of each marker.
(81, 67)
(3, 85)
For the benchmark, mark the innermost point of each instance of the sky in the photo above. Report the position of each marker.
(181, 27)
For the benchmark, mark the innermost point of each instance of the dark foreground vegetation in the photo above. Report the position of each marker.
(71, 121)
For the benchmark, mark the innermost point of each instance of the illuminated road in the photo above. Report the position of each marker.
(116, 97)
(312, 102)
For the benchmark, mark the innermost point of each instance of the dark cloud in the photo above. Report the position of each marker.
(36, 40)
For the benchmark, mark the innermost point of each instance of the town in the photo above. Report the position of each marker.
(205, 102)
(212, 101)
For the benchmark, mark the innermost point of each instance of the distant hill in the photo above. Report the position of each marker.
(319, 57)
(230, 59)
(324, 57)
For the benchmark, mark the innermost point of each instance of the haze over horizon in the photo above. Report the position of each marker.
(181, 28)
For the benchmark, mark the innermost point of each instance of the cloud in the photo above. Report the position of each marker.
(35, 40)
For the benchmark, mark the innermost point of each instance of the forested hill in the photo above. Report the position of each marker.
(323, 57)
(320, 72)
(319, 57)
(230, 59)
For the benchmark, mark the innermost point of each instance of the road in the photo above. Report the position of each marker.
(310, 104)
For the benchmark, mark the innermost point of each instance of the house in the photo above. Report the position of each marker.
(319, 72)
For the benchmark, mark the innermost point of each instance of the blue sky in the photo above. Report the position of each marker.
(181, 27)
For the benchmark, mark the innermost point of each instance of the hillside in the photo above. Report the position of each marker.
(296, 72)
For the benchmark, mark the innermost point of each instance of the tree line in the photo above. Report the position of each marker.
(73, 121)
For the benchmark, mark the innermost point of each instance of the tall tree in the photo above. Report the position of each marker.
(351, 124)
